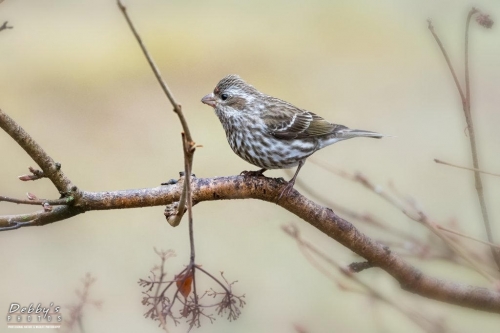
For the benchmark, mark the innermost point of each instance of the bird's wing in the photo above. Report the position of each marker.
(285, 121)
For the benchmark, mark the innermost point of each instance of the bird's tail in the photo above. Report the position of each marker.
(354, 133)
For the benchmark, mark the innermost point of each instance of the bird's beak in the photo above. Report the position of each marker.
(209, 100)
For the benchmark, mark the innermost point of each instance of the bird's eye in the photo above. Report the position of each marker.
(224, 96)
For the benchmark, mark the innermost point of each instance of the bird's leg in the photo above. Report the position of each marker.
(258, 173)
(290, 184)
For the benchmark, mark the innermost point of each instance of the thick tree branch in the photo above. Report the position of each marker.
(267, 189)
(241, 187)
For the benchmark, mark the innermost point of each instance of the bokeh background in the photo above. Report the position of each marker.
(73, 76)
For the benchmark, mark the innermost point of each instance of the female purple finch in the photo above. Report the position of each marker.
(269, 132)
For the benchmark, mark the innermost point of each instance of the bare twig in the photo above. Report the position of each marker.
(415, 214)
(156, 71)
(425, 323)
(76, 310)
(467, 236)
(466, 65)
(466, 168)
(472, 139)
(188, 149)
(452, 244)
(448, 62)
(239, 187)
(466, 103)
(367, 218)
(164, 255)
(161, 305)
(174, 219)
(57, 202)
(4, 26)
(51, 169)
(409, 242)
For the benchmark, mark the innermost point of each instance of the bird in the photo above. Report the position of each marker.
(271, 133)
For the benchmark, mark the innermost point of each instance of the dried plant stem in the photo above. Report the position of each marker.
(472, 138)
(448, 62)
(214, 278)
(466, 168)
(457, 248)
(466, 236)
(432, 226)
(466, 103)
(420, 216)
(159, 315)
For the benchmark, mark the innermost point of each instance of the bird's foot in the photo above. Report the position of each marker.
(286, 190)
(170, 182)
(258, 173)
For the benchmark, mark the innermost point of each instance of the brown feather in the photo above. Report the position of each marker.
(286, 121)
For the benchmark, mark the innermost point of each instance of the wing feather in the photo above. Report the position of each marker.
(285, 121)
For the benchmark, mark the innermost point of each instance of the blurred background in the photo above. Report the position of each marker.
(74, 77)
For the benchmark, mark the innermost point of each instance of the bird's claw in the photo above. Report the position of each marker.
(285, 191)
(170, 182)
(258, 173)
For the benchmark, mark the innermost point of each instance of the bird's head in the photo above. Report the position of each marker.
(232, 95)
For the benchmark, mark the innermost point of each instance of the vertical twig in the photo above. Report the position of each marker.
(188, 150)
(472, 139)
(156, 71)
(177, 109)
(466, 104)
(448, 62)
